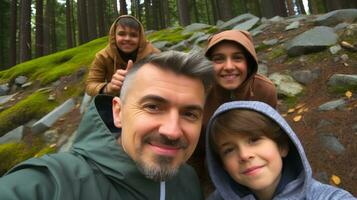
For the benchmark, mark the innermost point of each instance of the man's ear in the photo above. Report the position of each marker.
(117, 108)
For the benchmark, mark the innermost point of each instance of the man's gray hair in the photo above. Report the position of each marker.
(192, 64)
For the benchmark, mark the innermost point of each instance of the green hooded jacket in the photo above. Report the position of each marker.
(95, 168)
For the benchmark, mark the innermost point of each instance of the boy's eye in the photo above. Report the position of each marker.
(227, 151)
(253, 140)
(134, 35)
(238, 57)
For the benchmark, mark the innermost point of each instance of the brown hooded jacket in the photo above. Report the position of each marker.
(108, 60)
(256, 87)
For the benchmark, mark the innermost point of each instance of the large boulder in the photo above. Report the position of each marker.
(313, 40)
(337, 16)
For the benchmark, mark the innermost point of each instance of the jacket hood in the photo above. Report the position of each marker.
(244, 39)
(296, 173)
(145, 47)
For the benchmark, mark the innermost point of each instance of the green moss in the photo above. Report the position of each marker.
(172, 35)
(276, 52)
(15, 152)
(292, 101)
(49, 68)
(261, 47)
(342, 89)
(34, 106)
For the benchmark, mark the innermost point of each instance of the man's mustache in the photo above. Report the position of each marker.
(162, 139)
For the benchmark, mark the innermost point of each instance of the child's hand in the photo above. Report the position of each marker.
(114, 86)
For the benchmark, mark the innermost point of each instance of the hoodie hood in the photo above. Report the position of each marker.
(296, 173)
(244, 39)
(145, 47)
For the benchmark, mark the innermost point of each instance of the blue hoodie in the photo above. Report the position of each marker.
(296, 181)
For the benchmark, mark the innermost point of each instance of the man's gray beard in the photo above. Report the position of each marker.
(160, 171)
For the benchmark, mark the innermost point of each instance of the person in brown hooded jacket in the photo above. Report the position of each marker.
(127, 44)
(235, 65)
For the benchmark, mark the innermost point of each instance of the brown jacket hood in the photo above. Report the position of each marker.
(108, 60)
(145, 47)
(241, 37)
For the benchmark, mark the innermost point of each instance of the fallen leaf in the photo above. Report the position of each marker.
(300, 105)
(335, 179)
(306, 109)
(348, 94)
(53, 145)
(301, 110)
(284, 115)
(291, 110)
(345, 64)
(297, 118)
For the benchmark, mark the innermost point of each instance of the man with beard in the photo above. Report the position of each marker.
(158, 117)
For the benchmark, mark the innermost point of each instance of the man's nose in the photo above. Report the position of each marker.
(170, 126)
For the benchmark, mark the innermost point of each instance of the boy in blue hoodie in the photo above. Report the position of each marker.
(252, 153)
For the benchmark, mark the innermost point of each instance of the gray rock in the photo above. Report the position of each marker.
(335, 49)
(324, 123)
(20, 80)
(51, 136)
(259, 29)
(25, 85)
(342, 80)
(201, 39)
(85, 102)
(341, 26)
(195, 36)
(331, 143)
(48, 120)
(68, 143)
(337, 16)
(344, 57)
(304, 76)
(7, 98)
(297, 18)
(332, 105)
(270, 42)
(14, 135)
(232, 22)
(286, 85)
(160, 44)
(180, 46)
(293, 25)
(247, 25)
(312, 40)
(276, 19)
(194, 28)
(4, 89)
(262, 69)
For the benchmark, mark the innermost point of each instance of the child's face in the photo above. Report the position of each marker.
(127, 39)
(230, 65)
(255, 162)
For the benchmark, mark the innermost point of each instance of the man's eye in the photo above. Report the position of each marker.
(151, 107)
(192, 116)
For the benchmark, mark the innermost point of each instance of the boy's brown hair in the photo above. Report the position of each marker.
(239, 121)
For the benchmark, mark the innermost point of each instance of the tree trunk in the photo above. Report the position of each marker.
(215, 11)
(301, 7)
(123, 8)
(69, 31)
(225, 9)
(53, 26)
(39, 28)
(183, 12)
(267, 8)
(13, 33)
(91, 17)
(100, 14)
(25, 31)
(195, 11)
(280, 8)
(243, 5)
(290, 6)
(147, 4)
(115, 9)
(256, 8)
(333, 5)
(155, 12)
(82, 21)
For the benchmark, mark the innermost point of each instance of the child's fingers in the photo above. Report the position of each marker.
(130, 65)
